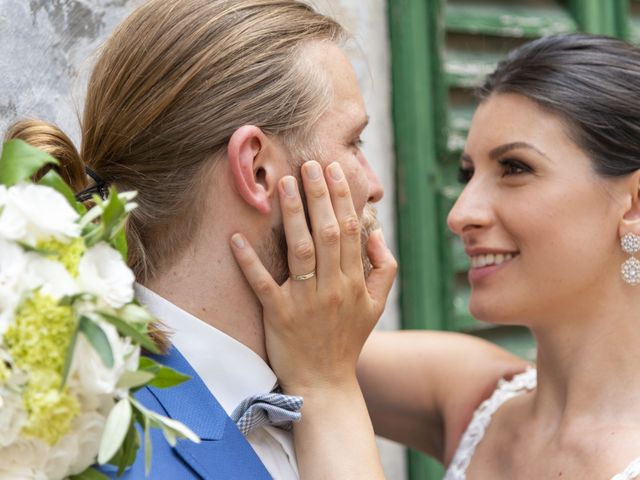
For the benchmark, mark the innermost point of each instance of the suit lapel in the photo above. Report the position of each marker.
(223, 452)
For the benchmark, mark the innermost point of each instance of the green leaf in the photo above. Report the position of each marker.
(164, 376)
(55, 181)
(19, 161)
(137, 315)
(168, 377)
(69, 356)
(147, 446)
(113, 213)
(119, 242)
(129, 330)
(172, 429)
(169, 435)
(136, 379)
(98, 339)
(126, 454)
(177, 428)
(148, 364)
(115, 430)
(89, 474)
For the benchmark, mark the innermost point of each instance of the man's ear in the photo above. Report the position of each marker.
(246, 154)
(630, 222)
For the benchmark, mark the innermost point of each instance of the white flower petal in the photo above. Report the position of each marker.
(35, 212)
(103, 272)
(49, 276)
(88, 373)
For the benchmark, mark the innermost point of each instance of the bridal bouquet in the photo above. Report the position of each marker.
(70, 331)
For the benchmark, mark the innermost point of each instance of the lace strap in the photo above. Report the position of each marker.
(631, 472)
(472, 436)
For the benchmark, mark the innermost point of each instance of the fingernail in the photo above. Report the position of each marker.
(335, 171)
(313, 170)
(289, 186)
(237, 240)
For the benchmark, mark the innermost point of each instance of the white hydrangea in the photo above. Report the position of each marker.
(103, 272)
(31, 213)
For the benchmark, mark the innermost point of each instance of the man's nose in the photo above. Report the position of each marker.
(376, 190)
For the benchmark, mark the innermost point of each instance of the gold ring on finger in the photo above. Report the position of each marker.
(306, 276)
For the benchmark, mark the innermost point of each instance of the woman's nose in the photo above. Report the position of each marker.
(471, 210)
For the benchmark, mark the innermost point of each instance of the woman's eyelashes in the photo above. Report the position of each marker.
(509, 167)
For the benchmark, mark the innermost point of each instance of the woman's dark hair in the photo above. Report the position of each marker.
(592, 82)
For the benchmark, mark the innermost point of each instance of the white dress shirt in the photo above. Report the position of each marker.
(231, 371)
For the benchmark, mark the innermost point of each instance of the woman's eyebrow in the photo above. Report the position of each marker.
(507, 147)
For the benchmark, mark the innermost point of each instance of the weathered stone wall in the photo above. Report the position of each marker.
(46, 49)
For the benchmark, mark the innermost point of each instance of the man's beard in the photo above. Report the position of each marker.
(274, 249)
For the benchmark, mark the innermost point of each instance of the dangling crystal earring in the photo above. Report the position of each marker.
(631, 268)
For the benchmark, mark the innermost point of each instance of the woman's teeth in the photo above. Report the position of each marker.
(479, 261)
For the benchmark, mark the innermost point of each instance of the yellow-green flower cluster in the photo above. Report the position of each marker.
(68, 254)
(39, 337)
(50, 410)
(38, 341)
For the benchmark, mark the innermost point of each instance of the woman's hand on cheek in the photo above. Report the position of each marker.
(316, 325)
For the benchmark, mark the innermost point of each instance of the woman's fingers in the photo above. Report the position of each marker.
(324, 226)
(384, 269)
(301, 250)
(345, 212)
(261, 281)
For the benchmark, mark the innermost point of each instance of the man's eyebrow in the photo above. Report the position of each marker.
(507, 147)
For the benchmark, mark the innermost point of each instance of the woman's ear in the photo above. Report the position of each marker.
(630, 222)
(250, 170)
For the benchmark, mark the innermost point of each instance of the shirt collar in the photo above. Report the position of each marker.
(230, 370)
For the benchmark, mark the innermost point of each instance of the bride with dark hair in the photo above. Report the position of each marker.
(550, 218)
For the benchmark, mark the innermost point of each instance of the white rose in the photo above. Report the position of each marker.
(49, 276)
(13, 262)
(103, 272)
(87, 429)
(12, 416)
(35, 212)
(77, 451)
(23, 460)
(58, 462)
(88, 373)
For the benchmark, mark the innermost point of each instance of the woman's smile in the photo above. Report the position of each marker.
(484, 264)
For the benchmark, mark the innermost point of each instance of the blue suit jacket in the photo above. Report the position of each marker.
(223, 453)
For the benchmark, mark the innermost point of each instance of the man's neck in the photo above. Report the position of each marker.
(214, 290)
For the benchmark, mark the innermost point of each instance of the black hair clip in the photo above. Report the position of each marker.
(100, 187)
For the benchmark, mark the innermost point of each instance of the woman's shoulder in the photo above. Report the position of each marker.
(480, 419)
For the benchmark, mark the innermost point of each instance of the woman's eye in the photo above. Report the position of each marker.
(514, 167)
(358, 143)
(465, 174)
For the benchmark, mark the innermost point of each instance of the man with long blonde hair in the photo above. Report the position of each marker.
(202, 107)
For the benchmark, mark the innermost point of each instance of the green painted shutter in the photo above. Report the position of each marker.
(442, 49)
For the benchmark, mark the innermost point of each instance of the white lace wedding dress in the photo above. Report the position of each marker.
(475, 431)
